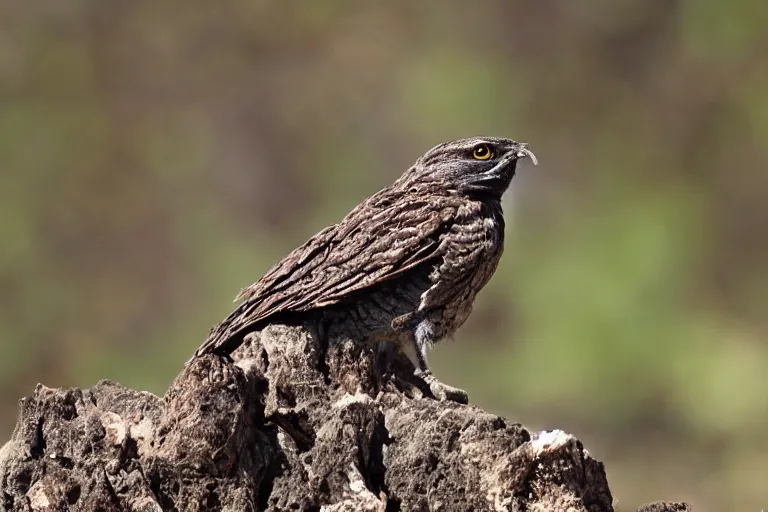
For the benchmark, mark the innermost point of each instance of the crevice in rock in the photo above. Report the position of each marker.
(69, 409)
(294, 426)
(73, 495)
(264, 360)
(393, 505)
(111, 493)
(128, 451)
(8, 501)
(324, 345)
(526, 492)
(64, 462)
(267, 484)
(37, 446)
(375, 469)
(212, 501)
(24, 480)
(156, 484)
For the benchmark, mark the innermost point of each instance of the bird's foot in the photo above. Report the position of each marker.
(442, 391)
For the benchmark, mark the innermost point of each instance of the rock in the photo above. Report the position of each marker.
(288, 424)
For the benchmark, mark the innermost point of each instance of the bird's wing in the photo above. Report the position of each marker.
(377, 241)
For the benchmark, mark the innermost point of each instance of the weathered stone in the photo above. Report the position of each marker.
(288, 425)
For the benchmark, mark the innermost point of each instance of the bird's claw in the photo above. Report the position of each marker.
(442, 391)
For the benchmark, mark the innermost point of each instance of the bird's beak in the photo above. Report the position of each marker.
(523, 152)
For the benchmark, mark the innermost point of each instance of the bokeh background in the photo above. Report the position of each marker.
(157, 157)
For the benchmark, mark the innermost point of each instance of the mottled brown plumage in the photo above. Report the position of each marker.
(403, 268)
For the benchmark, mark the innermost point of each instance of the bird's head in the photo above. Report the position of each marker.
(475, 166)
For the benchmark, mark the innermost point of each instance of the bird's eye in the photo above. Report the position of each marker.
(482, 152)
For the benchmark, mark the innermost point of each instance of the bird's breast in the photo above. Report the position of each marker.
(471, 252)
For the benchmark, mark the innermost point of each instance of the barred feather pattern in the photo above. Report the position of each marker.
(419, 249)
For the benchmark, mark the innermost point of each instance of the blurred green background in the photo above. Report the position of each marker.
(157, 157)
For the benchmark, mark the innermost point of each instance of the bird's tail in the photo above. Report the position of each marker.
(225, 337)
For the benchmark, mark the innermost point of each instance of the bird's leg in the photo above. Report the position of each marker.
(423, 336)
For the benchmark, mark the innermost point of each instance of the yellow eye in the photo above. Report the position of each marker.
(482, 152)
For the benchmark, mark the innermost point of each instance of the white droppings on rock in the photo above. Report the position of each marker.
(143, 430)
(356, 482)
(38, 499)
(548, 440)
(115, 427)
(347, 400)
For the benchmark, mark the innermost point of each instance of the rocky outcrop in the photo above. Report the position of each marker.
(288, 424)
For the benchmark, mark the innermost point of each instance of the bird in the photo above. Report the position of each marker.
(403, 268)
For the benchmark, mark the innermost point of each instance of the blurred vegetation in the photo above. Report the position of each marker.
(156, 157)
